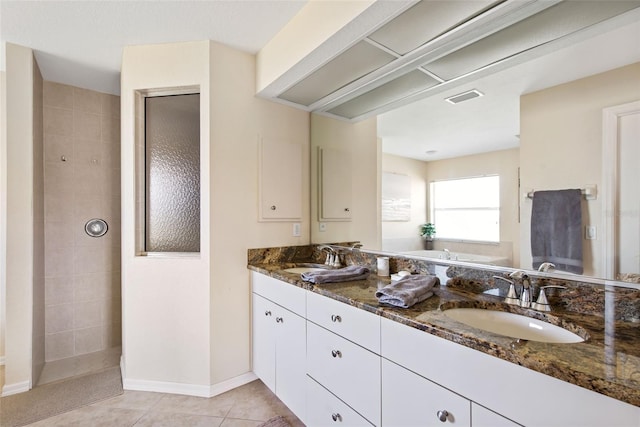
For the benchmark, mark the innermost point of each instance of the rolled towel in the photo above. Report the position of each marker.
(346, 274)
(408, 291)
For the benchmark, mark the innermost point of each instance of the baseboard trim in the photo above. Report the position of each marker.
(186, 389)
(16, 388)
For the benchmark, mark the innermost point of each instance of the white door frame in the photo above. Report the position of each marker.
(610, 153)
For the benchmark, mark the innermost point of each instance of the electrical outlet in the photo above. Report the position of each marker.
(323, 226)
(296, 229)
(590, 232)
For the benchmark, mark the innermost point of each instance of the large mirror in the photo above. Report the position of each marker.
(538, 125)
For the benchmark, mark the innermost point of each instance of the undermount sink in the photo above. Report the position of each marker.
(300, 269)
(513, 325)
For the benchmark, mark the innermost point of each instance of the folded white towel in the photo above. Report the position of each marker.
(346, 274)
(408, 291)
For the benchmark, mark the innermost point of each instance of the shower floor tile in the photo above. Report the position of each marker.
(79, 365)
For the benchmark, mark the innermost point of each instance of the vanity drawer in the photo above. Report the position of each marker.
(349, 322)
(282, 293)
(324, 409)
(347, 370)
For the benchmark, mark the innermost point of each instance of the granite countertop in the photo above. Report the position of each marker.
(608, 362)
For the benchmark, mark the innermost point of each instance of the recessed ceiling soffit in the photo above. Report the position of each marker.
(435, 45)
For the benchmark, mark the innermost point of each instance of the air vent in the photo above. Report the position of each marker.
(465, 96)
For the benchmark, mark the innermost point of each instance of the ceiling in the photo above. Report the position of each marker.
(80, 43)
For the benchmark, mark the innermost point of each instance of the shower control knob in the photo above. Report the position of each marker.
(443, 415)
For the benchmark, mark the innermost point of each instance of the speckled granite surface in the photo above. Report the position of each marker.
(608, 362)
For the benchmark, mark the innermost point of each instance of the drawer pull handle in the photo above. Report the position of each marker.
(267, 313)
(336, 417)
(336, 353)
(443, 415)
(279, 320)
(273, 207)
(336, 318)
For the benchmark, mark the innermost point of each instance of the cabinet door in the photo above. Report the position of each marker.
(280, 181)
(335, 185)
(483, 417)
(324, 409)
(411, 400)
(264, 340)
(291, 360)
(349, 371)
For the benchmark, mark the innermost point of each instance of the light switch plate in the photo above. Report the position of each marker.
(296, 229)
(322, 226)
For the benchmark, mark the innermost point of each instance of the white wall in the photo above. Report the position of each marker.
(405, 235)
(561, 146)
(19, 232)
(366, 156)
(186, 322)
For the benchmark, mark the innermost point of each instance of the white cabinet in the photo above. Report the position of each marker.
(482, 417)
(347, 370)
(280, 182)
(334, 191)
(279, 346)
(519, 394)
(325, 409)
(409, 400)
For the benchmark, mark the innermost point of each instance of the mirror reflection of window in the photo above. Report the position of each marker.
(172, 173)
(467, 209)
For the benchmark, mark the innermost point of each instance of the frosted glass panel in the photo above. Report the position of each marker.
(172, 150)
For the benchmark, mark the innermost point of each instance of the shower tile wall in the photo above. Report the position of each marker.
(82, 181)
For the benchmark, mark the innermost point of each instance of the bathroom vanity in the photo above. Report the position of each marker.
(345, 360)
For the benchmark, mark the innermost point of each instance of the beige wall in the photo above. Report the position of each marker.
(19, 234)
(186, 321)
(38, 333)
(405, 235)
(503, 163)
(366, 156)
(3, 210)
(561, 145)
(82, 273)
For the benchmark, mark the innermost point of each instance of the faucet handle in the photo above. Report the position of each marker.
(542, 304)
(512, 295)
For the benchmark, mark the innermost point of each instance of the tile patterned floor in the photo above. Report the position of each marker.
(245, 406)
(79, 365)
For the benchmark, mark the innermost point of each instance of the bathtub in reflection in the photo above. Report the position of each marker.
(462, 256)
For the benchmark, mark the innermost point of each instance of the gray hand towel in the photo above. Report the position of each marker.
(408, 291)
(556, 229)
(346, 274)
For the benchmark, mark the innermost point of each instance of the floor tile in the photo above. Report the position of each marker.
(217, 406)
(232, 422)
(142, 400)
(94, 416)
(166, 419)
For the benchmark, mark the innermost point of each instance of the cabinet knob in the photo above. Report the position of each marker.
(273, 207)
(336, 417)
(346, 209)
(336, 318)
(336, 353)
(443, 415)
(267, 313)
(279, 320)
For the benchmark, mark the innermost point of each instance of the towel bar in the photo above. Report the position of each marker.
(589, 193)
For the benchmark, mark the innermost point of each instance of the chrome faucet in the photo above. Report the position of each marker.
(525, 296)
(447, 254)
(546, 266)
(331, 254)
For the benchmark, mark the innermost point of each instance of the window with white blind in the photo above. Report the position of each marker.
(467, 208)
